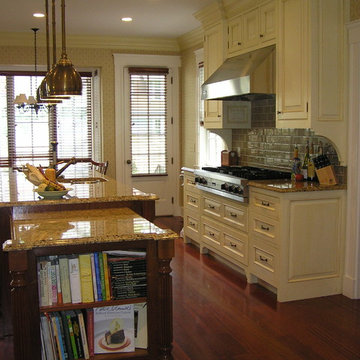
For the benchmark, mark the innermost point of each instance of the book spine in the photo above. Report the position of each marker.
(64, 279)
(53, 282)
(57, 337)
(74, 274)
(83, 335)
(90, 331)
(65, 328)
(49, 285)
(47, 337)
(77, 335)
(86, 278)
(52, 335)
(102, 276)
(43, 284)
(93, 273)
(97, 274)
(106, 276)
(58, 282)
(72, 336)
(62, 333)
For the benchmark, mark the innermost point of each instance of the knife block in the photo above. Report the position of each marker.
(326, 175)
(228, 158)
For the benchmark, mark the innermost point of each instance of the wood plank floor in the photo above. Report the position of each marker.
(218, 316)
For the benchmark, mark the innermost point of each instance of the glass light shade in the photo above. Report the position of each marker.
(63, 79)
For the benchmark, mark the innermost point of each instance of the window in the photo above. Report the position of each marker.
(148, 118)
(26, 136)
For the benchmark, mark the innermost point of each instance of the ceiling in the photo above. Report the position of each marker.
(152, 18)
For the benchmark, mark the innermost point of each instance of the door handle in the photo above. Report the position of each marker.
(128, 162)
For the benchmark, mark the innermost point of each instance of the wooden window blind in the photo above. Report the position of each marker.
(148, 120)
(26, 136)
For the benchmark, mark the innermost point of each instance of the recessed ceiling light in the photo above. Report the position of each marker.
(126, 19)
(38, 15)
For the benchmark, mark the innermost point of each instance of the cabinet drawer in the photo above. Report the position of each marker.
(265, 204)
(210, 232)
(211, 207)
(264, 261)
(189, 183)
(236, 217)
(236, 246)
(192, 201)
(266, 228)
(191, 226)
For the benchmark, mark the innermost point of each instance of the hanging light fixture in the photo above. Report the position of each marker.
(30, 103)
(41, 93)
(63, 79)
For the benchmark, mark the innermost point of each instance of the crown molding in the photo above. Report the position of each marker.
(191, 39)
(211, 14)
(102, 42)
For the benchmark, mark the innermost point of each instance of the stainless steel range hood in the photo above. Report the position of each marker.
(246, 77)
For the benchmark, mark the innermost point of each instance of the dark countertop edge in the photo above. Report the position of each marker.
(7, 246)
(305, 186)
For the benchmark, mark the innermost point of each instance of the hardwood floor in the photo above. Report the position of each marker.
(218, 316)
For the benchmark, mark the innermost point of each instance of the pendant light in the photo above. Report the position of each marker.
(42, 91)
(63, 79)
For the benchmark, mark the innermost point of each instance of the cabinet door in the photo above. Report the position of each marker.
(213, 58)
(267, 21)
(251, 30)
(235, 30)
(292, 70)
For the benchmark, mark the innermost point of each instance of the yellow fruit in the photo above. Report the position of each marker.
(42, 187)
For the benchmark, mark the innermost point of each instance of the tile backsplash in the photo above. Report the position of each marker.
(265, 146)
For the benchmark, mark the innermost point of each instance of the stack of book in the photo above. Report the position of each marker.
(80, 334)
(86, 278)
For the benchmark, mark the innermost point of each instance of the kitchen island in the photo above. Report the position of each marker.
(72, 232)
(95, 192)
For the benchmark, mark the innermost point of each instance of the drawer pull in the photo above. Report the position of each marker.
(191, 224)
(266, 228)
(263, 258)
(193, 201)
(232, 245)
(212, 207)
(211, 234)
(192, 182)
(233, 214)
(265, 203)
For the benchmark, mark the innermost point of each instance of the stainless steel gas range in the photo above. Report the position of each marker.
(232, 181)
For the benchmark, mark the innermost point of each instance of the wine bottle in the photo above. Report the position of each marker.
(296, 165)
(304, 169)
(311, 165)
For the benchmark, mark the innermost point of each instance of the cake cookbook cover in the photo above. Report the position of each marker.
(114, 329)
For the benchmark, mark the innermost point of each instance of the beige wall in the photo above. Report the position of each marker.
(84, 57)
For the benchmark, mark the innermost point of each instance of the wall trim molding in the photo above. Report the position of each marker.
(351, 280)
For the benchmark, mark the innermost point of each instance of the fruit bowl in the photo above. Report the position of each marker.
(52, 194)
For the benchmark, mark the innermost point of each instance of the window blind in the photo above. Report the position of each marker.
(148, 121)
(26, 136)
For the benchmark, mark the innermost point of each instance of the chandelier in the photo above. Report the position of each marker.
(24, 103)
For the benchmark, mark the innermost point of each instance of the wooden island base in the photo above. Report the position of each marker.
(110, 229)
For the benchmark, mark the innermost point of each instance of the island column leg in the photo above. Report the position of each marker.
(165, 254)
(26, 332)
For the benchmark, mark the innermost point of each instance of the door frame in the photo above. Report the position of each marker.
(121, 61)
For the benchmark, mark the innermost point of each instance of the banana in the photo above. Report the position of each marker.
(36, 177)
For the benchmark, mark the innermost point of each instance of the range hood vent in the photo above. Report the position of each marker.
(245, 77)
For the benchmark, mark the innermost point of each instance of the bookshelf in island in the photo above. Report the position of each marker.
(90, 284)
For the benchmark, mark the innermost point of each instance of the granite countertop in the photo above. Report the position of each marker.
(286, 186)
(15, 190)
(76, 227)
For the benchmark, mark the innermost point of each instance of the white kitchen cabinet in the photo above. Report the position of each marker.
(252, 29)
(310, 68)
(297, 248)
(191, 213)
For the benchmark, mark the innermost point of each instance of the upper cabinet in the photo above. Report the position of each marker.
(310, 68)
(251, 29)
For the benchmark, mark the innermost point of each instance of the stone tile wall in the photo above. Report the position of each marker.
(266, 146)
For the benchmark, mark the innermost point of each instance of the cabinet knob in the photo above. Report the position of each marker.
(278, 112)
(261, 35)
(128, 162)
(239, 43)
(219, 116)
